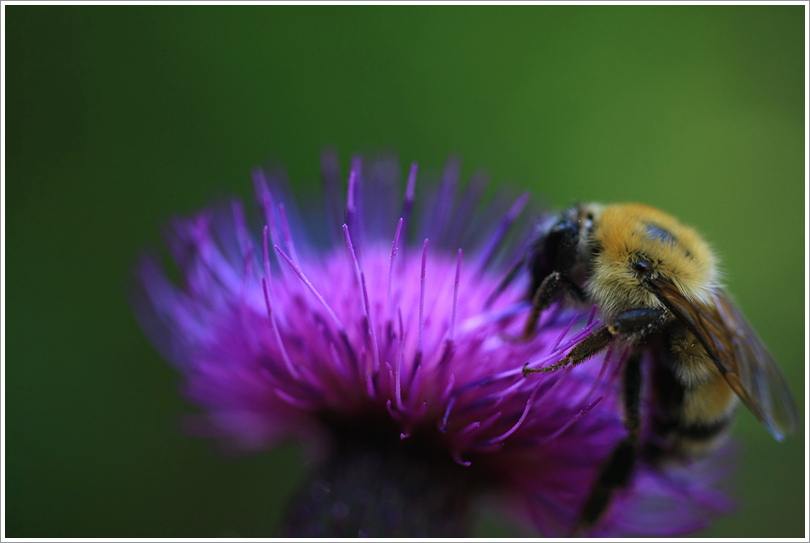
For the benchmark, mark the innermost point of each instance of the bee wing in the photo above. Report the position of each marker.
(757, 372)
(739, 354)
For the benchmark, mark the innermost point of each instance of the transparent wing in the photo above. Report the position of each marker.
(739, 354)
(758, 373)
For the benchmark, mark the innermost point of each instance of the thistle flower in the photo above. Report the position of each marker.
(379, 349)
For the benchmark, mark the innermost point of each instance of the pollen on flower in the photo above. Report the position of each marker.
(381, 347)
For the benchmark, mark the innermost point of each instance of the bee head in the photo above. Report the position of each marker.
(638, 245)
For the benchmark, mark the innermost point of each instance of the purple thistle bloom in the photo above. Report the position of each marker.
(382, 353)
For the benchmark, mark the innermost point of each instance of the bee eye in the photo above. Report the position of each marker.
(642, 267)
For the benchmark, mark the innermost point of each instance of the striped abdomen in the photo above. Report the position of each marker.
(695, 403)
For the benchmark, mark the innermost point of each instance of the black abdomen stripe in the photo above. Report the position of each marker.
(704, 432)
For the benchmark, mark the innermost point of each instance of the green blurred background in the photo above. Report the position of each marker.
(120, 116)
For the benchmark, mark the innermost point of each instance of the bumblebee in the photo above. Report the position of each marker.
(657, 287)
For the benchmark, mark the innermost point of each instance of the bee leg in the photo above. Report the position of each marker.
(618, 469)
(554, 284)
(592, 344)
(636, 322)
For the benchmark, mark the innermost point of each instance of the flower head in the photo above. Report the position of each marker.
(382, 339)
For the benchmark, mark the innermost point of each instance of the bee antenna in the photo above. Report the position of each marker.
(506, 280)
